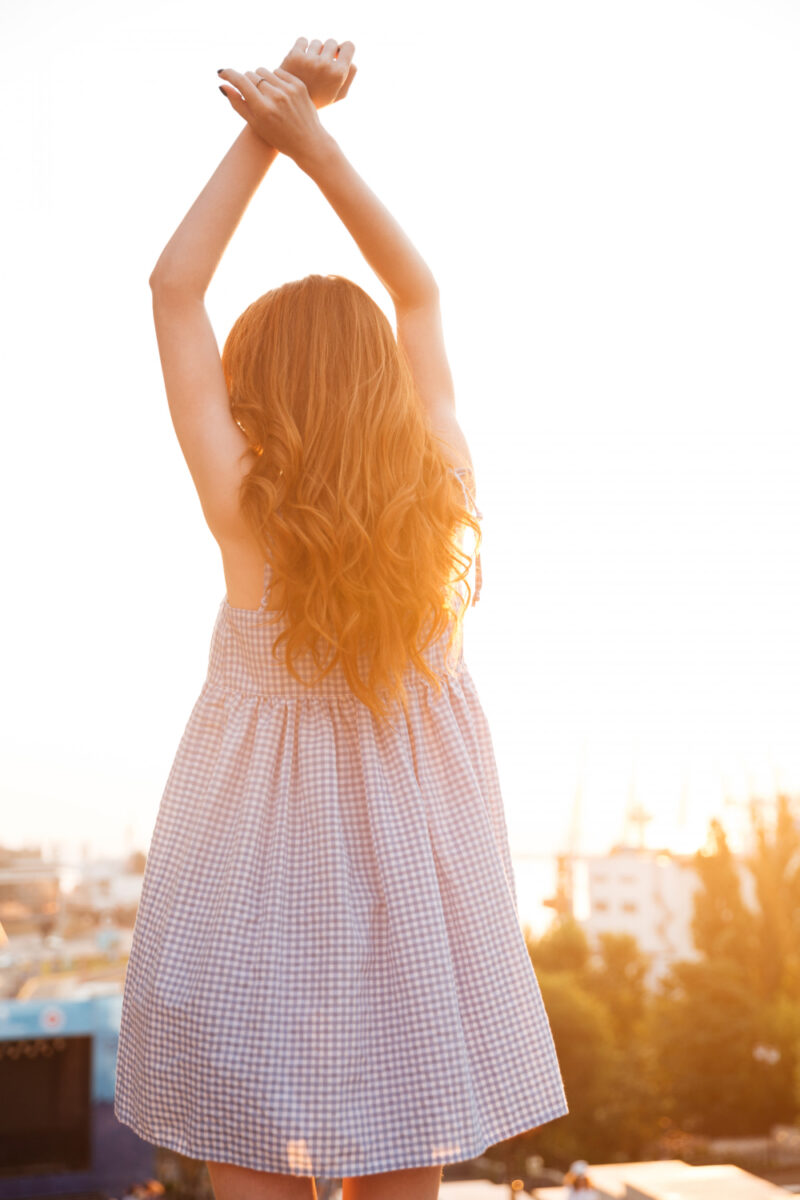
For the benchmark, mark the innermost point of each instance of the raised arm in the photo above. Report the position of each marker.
(408, 280)
(214, 447)
(193, 253)
(280, 114)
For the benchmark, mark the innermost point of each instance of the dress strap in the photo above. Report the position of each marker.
(466, 478)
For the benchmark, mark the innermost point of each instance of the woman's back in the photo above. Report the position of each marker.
(347, 490)
(244, 653)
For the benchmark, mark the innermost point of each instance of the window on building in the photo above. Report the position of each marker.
(629, 906)
(601, 906)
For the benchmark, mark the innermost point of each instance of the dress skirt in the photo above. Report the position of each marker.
(328, 975)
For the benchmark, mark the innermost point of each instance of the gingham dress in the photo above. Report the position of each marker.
(328, 974)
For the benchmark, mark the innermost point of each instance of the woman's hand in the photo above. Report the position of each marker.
(278, 107)
(326, 70)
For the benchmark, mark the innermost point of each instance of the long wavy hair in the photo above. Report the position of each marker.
(360, 517)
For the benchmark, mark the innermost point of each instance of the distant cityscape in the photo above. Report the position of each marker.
(57, 916)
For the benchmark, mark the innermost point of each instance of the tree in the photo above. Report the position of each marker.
(562, 947)
(775, 865)
(713, 1037)
(617, 975)
(584, 1043)
(595, 1003)
(764, 942)
(722, 925)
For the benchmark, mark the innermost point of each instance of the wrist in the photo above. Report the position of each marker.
(314, 157)
(258, 145)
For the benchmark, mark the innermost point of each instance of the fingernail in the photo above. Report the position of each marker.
(225, 94)
(221, 69)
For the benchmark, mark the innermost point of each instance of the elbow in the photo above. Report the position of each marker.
(157, 280)
(423, 296)
(428, 290)
(157, 275)
(432, 291)
(162, 284)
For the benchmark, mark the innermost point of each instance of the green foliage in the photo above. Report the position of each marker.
(617, 976)
(593, 1002)
(775, 866)
(782, 1032)
(714, 1049)
(722, 926)
(584, 1041)
(705, 1024)
(563, 947)
(765, 941)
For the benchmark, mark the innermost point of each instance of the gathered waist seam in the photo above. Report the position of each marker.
(311, 693)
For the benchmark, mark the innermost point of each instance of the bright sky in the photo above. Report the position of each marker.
(608, 195)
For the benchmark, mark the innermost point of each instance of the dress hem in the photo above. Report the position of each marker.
(345, 1170)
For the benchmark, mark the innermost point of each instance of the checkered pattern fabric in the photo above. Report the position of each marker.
(328, 974)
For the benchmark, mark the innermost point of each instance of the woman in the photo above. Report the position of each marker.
(327, 976)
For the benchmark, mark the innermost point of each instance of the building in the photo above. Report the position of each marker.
(650, 895)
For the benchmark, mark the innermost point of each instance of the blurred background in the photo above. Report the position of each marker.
(607, 194)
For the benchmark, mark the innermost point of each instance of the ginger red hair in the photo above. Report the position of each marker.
(351, 497)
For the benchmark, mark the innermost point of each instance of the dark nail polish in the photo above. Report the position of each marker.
(225, 94)
(221, 69)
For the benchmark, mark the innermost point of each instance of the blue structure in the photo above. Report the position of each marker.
(96, 1017)
(58, 1132)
